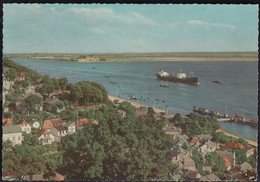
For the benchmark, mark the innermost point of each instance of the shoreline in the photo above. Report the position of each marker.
(173, 59)
(135, 104)
(250, 142)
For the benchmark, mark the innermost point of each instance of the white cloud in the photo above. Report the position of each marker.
(207, 24)
(144, 20)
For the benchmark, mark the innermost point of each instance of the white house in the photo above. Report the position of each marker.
(35, 124)
(71, 127)
(13, 133)
(26, 127)
(45, 137)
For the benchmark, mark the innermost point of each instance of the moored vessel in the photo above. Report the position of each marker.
(178, 78)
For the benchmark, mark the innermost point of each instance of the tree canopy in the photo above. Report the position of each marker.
(127, 148)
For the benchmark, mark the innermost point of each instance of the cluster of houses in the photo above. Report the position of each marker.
(51, 131)
(182, 157)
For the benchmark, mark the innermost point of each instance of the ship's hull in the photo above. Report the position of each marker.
(193, 81)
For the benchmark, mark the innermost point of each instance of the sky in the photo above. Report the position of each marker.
(121, 28)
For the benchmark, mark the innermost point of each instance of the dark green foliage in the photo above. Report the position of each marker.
(240, 156)
(31, 102)
(15, 70)
(177, 119)
(24, 83)
(197, 124)
(198, 159)
(217, 163)
(252, 160)
(128, 107)
(127, 148)
(185, 146)
(92, 93)
(30, 139)
(68, 115)
(14, 94)
(28, 160)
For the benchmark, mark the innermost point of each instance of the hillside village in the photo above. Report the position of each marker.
(43, 117)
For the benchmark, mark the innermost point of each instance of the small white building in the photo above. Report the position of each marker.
(35, 124)
(26, 127)
(45, 137)
(13, 133)
(71, 127)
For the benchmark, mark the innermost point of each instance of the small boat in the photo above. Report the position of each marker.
(107, 76)
(113, 82)
(133, 97)
(164, 85)
(216, 81)
(93, 68)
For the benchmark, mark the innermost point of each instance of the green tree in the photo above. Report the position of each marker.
(63, 82)
(240, 156)
(217, 163)
(252, 160)
(122, 148)
(198, 159)
(185, 146)
(178, 119)
(31, 102)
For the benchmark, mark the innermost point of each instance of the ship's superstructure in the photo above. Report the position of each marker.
(179, 77)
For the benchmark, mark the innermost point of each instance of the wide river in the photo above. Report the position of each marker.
(237, 94)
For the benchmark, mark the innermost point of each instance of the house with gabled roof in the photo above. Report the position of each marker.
(207, 147)
(48, 124)
(230, 157)
(13, 133)
(45, 137)
(233, 145)
(26, 127)
(55, 105)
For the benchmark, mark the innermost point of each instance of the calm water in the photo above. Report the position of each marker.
(237, 94)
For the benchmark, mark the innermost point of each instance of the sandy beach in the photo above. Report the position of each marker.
(250, 142)
(135, 104)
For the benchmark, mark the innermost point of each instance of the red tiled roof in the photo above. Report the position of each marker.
(52, 123)
(59, 177)
(193, 140)
(55, 91)
(233, 145)
(23, 122)
(254, 120)
(227, 162)
(82, 121)
(215, 112)
(239, 117)
(95, 122)
(42, 132)
(7, 122)
(66, 91)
